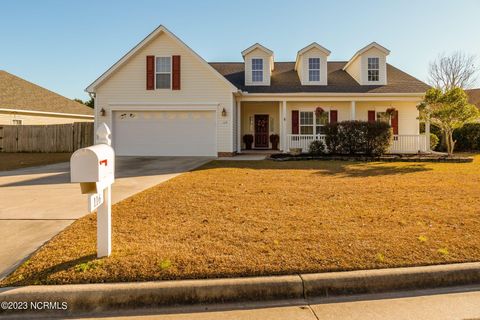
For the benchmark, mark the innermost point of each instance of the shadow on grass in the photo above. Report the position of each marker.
(44, 274)
(331, 168)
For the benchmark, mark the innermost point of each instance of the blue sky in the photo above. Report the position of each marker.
(65, 45)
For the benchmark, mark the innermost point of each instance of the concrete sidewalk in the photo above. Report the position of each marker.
(439, 304)
(37, 203)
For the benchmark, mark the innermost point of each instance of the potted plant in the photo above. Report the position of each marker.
(248, 140)
(274, 139)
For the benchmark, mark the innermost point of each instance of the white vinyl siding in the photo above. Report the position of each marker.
(267, 61)
(199, 86)
(310, 64)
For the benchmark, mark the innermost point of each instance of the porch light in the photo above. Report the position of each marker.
(224, 112)
(102, 112)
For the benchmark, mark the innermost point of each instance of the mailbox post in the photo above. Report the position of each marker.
(94, 168)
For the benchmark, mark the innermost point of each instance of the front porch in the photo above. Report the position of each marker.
(297, 126)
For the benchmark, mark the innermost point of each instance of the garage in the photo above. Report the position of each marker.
(164, 133)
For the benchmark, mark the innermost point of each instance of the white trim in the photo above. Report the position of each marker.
(364, 49)
(256, 46)
(163, 106)
(91, 88)
(70, 115)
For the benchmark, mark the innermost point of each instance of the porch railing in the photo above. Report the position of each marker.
(302, 140)
(401, 143)
(409, 143)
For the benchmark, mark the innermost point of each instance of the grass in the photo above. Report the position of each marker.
(10, 161)
(230, 219)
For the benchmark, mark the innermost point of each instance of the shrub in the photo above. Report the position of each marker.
(358, 137)
(332, 140)
(434, 140)
(351, 136)
(316, 148)
(467, 137)
(378, 137)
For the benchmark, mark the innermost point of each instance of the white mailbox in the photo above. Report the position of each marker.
(93, 167)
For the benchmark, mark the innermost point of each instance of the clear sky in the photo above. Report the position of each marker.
(65, 45)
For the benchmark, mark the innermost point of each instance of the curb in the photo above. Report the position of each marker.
(114, 296)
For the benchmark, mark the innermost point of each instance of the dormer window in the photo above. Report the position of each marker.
(313, 69)
(257, 70)
(374, 69)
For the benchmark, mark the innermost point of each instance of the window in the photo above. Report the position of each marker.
(17, 121)
(257, 70)
(320, 123)
(307, 120)
(373, 69)
(383, 117)
(163, 72)
(313, 69)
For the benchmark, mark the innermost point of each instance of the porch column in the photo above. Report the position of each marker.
(239, 127)
(283, 137)
(427, 135)
(353, 110)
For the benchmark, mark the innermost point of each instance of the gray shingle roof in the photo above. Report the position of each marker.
(285, 80)
(17, 93)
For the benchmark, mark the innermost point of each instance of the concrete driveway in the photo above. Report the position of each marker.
(37, 203)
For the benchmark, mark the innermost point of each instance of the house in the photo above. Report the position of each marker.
(474, 96)
(163, 99)
(22, 102)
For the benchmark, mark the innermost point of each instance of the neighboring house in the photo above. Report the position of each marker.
(162, 98)
(474, 96)
(22, 102)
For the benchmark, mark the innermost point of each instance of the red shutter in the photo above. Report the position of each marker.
(150, 72)
(333, 116)
(294, 121)
(175, 72)
(371, 116)
(395, 122)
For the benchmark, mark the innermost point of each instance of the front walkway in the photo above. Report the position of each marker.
(37, 203)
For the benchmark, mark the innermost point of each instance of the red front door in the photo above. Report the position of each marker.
(261, 131)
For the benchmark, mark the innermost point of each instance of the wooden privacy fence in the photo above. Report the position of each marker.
(46, 138)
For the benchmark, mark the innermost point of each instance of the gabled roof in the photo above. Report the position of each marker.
(365, 49)
(19, 94)
(142, 44)
(285, 80)
(256, 46)
(309, 47)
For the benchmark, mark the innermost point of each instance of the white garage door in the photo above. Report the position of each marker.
(164, 133)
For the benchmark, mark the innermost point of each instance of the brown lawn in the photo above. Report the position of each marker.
(10, 161)
(230, 219)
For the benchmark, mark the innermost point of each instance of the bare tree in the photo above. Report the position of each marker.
(456, 70)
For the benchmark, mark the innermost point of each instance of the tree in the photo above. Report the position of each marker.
(90, 103)
(449, 111)
(457, 70)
